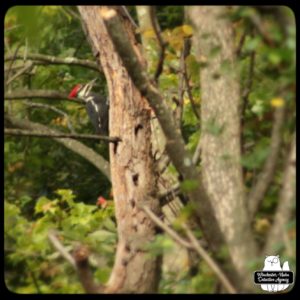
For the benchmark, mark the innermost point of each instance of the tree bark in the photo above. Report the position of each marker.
(132, 165)
(220, 136)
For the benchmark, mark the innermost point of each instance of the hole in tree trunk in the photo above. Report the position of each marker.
(135, 179)
(137, 128)
(132, 203)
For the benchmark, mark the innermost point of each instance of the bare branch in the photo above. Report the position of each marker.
(126, 12)
(213, 265)
(197, 153)
(248, 87)
(86, 277)
(194, 244)
(94, 158)
(287, 203)
(161, 42)
(174, 235)
(238, 50)
(180, 102)
(52, 236)
(185, 53)
(26, 68)
(50, 107)
(71, 12)
(79, 261)
(47, 94)
(265, 177)
(57, 60)
(18, 132)
(259, 26)
(13, 58)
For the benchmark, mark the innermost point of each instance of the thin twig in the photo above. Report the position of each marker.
(161, 42)
(258, 24)
(238, 50)
(21, 132)
(56, 60)
(126, 12)
(213, 265)
(246, 92)
(47, 94)
(180, 103)
(13, 59)
(35, 282)
(265, 177)
(174, 235)
(185, 54)
(71, 12)
(27, 67)
(52, 236)
(190, 95)
(163, 163)
(193, 244)
(75, 146)
(197, 153)
(286, 205)
(79, 261)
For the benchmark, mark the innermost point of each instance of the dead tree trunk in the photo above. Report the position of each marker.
(133, 180)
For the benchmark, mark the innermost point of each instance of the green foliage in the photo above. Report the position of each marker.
(188, 185)
(256, 158)
(170, 16)
(33, 265)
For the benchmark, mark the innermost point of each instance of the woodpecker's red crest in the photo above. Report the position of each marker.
(75, 91)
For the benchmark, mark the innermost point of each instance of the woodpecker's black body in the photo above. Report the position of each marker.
(97, 106)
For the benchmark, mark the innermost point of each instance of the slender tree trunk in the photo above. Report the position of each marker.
(133, 180)
(220, 99)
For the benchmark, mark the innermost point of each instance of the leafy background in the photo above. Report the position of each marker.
(50, 187)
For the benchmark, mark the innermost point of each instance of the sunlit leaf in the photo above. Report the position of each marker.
(187, 30)
(277, 102)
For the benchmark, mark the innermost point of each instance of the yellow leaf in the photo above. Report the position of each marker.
(188, 30)
(149, 33)
(277, 102)
(186, 100)
(262, 225)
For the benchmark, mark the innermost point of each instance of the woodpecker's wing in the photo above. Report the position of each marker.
(97, 109)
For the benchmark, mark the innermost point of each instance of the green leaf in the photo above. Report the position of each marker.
(189, 185)
(41, 204)
(102, 275)
(102, 236)
(109, 224)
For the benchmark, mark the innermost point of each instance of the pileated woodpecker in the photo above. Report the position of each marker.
(96, 105)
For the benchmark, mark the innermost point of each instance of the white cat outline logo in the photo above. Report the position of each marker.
(272, 263)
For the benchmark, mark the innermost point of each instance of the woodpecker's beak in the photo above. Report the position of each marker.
(86, 89)
(92, 82)
(90, 85)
